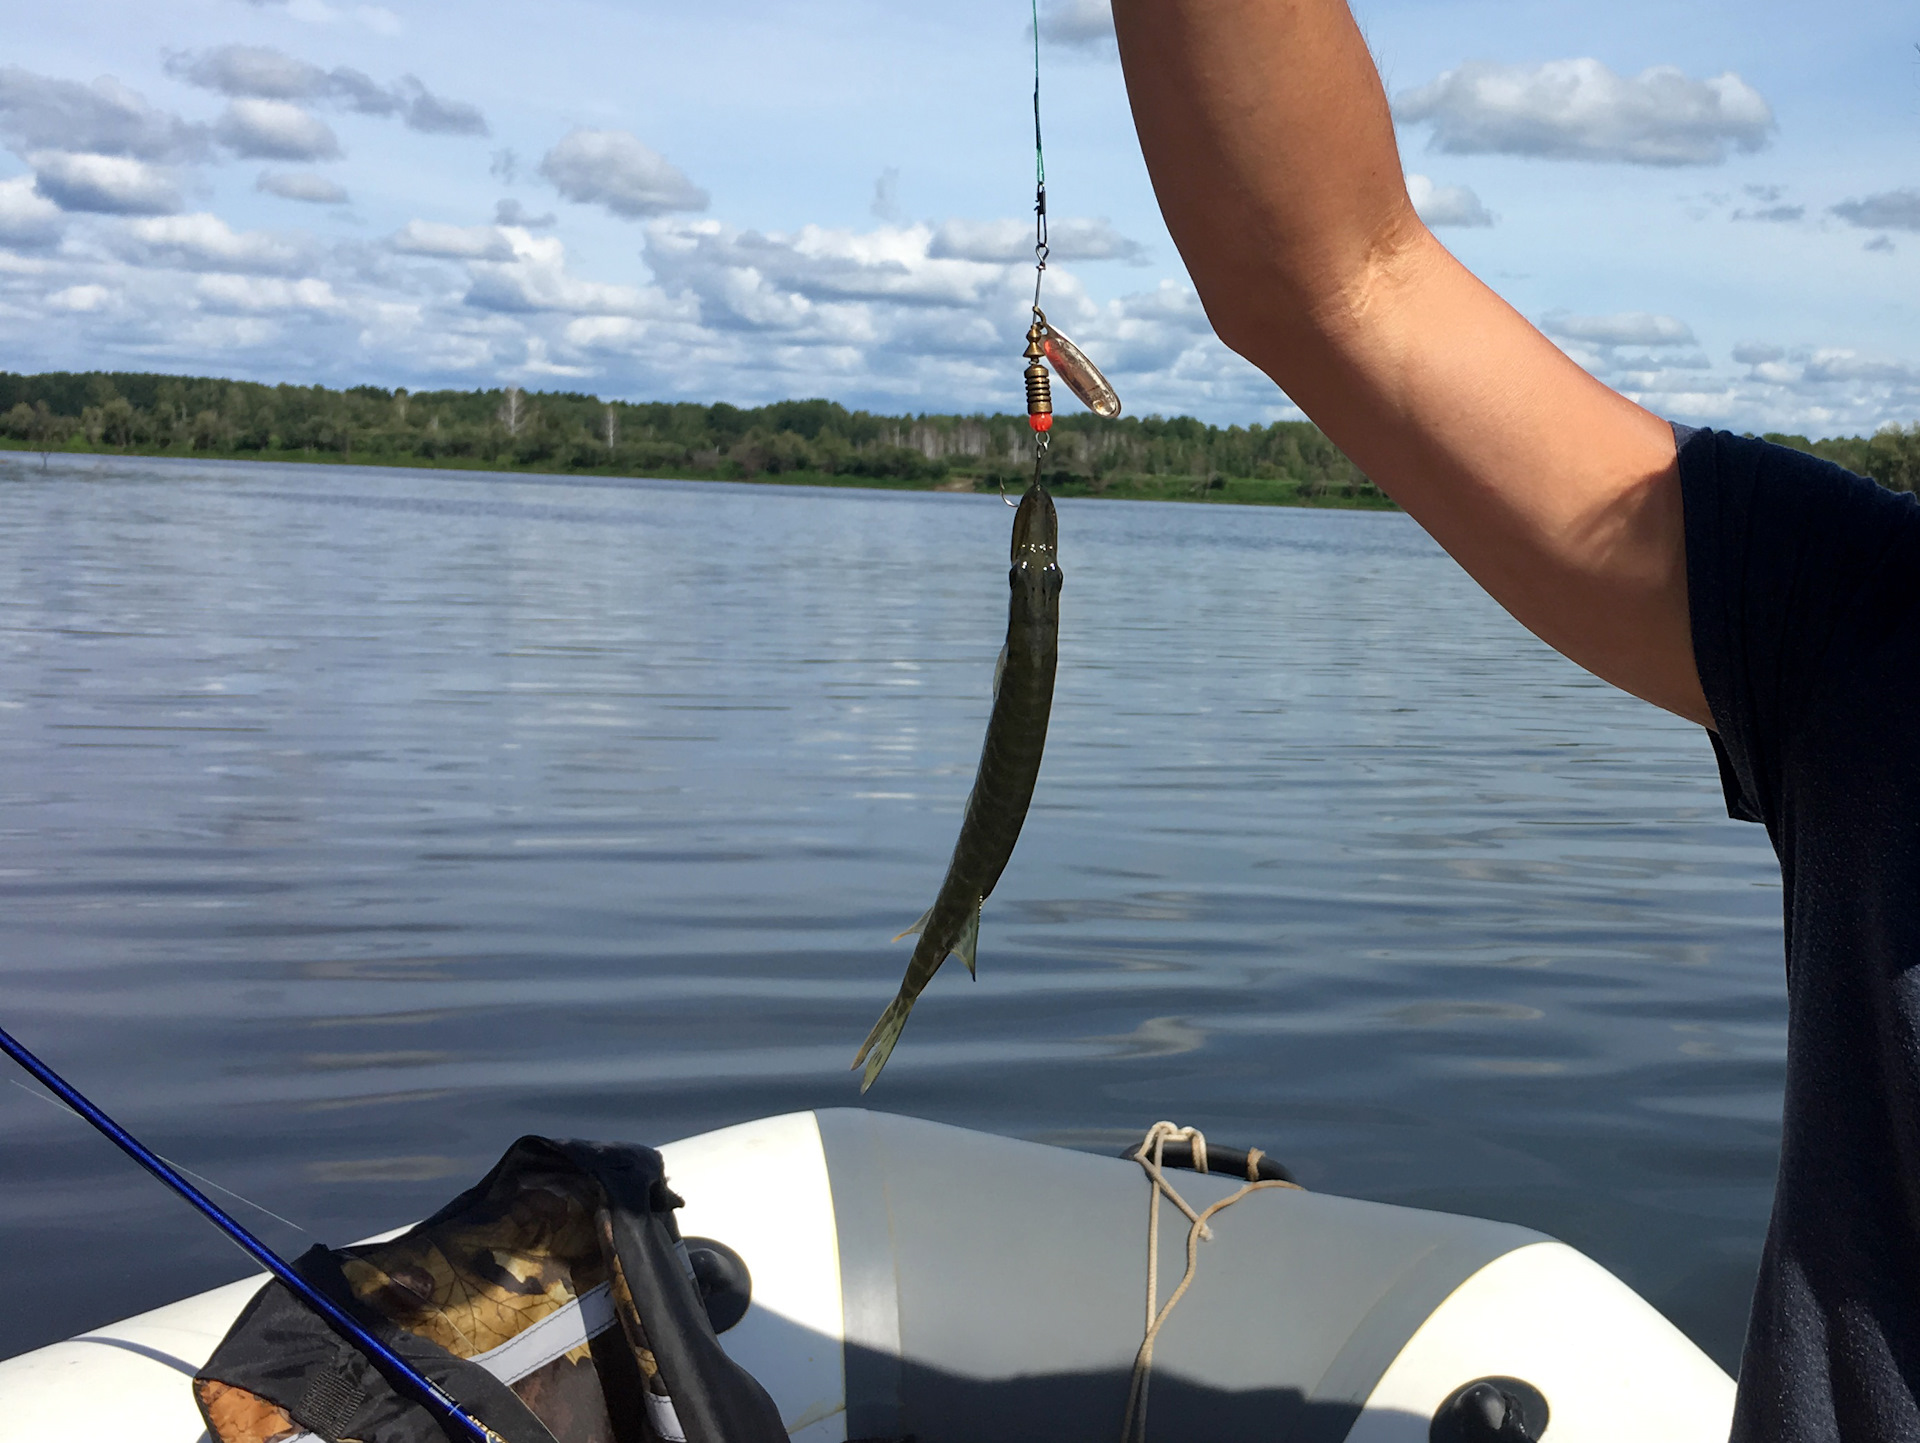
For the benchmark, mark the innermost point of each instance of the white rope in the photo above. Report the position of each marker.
(1149, 1155)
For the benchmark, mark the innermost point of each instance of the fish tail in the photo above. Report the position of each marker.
(879, 1044)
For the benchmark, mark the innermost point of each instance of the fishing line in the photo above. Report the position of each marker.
(240, 1198)
(1039, 396)
(1039, 172)
(200, 1178)
(397, 1370)
(1045, 345)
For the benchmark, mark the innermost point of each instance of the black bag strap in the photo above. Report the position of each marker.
(716, 1400)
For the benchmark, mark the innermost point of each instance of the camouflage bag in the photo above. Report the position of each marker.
(555, 1301)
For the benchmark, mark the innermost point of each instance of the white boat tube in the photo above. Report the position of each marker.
(912, 1278)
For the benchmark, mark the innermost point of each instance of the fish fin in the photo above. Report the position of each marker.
(879, 1044)
(917, 927)
(969, 940)
(999, 670)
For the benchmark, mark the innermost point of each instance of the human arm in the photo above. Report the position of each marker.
(1271, 148)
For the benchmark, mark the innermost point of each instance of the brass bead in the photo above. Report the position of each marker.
(1039, 390)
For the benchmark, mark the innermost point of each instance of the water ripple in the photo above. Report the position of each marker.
(359, 821)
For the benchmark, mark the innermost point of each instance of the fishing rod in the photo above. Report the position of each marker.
(428, 1394)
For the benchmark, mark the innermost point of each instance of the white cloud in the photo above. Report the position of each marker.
(105, 118)
(452, 242)
(204, 242)
(1817, 390)
(1812, 389)
(510, 212)
(259, 72)
(302, 185)
(377, 18)
(1889, 210)
(1643, 355)
(1003, 241)
(1084, 24)
(877, 311)
(614, 168)
(1581, 110)
(105, 184)
(1835, 364)
(536, 279)
(81, 298)
(264, 294)
(435, 114)
(28, 221)
(276, 130)
(1624, 328)
(1770, 205)
(1439, 205)
(805, 281)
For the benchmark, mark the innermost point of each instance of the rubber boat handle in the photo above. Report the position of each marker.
(1491, 1410)
(725, 1285)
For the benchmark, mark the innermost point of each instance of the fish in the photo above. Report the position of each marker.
(1009, 767)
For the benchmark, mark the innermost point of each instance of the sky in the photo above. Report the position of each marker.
(1715, 206)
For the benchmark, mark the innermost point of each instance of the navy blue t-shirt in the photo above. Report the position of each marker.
(1804, 586)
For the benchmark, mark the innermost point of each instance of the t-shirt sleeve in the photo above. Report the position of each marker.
(1785, 556)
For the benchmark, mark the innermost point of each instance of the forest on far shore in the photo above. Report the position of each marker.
(1286, 462)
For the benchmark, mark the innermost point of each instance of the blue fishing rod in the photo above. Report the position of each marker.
(425, 1391)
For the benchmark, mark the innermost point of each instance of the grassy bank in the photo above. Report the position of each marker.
(1235, 490)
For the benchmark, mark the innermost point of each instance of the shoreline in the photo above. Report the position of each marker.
(1230, 490)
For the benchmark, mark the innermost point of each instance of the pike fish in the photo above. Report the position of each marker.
(1009, 765)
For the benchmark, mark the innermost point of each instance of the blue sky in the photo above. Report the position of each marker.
(1715, 207)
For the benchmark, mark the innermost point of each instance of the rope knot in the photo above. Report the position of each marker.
(1151, 1155)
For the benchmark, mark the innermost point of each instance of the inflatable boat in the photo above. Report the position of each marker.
(904, 1279)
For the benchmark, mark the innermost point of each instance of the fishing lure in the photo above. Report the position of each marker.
(1044, 339)
(1022, 681)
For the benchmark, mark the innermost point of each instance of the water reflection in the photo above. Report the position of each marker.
(359, 821)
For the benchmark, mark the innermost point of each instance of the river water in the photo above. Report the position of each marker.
(358, 821)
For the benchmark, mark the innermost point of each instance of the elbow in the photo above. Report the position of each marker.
(1279, 310)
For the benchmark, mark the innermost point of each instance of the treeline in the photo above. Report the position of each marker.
(568, 431)
(1288, 461)
(1891, 455)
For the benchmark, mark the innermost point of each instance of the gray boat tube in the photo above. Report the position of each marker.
(910, 1279)
(996, 1289)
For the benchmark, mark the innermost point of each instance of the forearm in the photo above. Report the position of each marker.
(1271, 147)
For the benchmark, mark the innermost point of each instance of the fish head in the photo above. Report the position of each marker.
(1036, 545)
